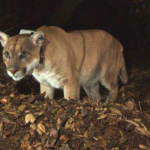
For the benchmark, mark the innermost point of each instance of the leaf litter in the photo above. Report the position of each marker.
(32, 122)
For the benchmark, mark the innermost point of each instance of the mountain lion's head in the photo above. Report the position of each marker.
(21, 53)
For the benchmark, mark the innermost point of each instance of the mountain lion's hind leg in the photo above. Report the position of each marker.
(93, 92)
(112, 87)
(112, 94)
(48, 90)
(110, 82)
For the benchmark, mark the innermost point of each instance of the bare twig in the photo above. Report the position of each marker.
(140, 106)
(15, 26)
(140, 74)
(67, 117)
(6, 17)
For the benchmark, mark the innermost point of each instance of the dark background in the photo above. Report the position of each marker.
(127, 20)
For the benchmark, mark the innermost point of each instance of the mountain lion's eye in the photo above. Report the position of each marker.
(24, 54)
(7, 54)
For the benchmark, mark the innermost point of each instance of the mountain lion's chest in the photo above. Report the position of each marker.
(47, 78)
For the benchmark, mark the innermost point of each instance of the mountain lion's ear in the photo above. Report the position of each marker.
(38, 38)
(3, 38)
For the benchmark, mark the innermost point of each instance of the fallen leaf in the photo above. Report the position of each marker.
(41, 127)
(25, 146)
(143, 131)
(12, 112)
(58, 123)
(67, 125)
(33, 126)
(115, 110)
(132, 122)
(37, 144)
(4, 100)
(84, 113)
(22, 107)
(144, 147)
(22, 96)
(11, 95)
(39, 131)
(85, 134)
(54, 133)
(26, 137)
(95, 138)
(64, 147)
(7, 107)
(29, 118)
(1, 129)
(114, 148)
(130, 105)
(102, 117)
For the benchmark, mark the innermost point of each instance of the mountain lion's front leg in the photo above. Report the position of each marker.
(48, 90)
(72, 91)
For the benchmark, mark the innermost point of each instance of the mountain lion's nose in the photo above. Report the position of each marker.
(13, 71)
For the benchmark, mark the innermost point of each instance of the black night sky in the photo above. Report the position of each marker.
(120, 18)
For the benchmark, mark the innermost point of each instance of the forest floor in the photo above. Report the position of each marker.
(28, 121)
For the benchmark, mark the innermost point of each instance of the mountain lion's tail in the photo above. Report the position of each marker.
(123, 73)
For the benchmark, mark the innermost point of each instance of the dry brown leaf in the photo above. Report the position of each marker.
(122, 89)
(144, 147)
(1, 85)
(54, 133)
(39, 131)
(26, 137)
(84, 112)
(123, 138)
(58, 123)
(12, 95)
(80, 136)
(102, 117)
(22, 96)
(11, 112)
(52, 142)
(26, 146)
(143, 131)
(41, 127)
(37, 144)
(32, 133)
(115, 148)
(7, 107)
(22, 107)
(33, 126)
(76, 113)
(1, 129)
(85, 134)
(3, 100)
(64, 147)
(63, 137)
(39, 148)
(130, 105)
(137, 119)
(72, 126)
(67, 125)
(115, 110)
(29, 118)
(3, 92)
(144, 127)
(95, 138)
(132, 122)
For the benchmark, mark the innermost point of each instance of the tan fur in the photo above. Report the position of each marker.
(71, 59)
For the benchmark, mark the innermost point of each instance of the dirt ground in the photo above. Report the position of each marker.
(28, 121)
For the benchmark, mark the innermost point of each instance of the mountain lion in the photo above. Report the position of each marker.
(59, 59)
